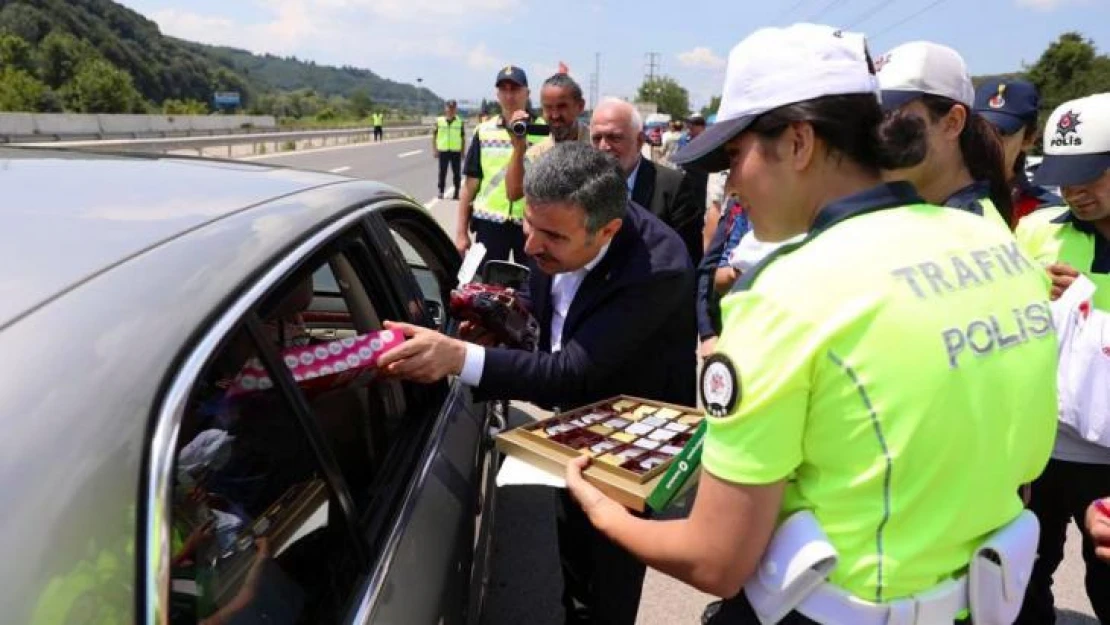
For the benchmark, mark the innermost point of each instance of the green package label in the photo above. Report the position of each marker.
(677, 477)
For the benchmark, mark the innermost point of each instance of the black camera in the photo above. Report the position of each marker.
(523, 128)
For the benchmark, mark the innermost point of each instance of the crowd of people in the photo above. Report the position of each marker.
(906, 402)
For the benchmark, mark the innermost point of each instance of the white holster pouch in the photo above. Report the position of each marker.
(1000, 571)
(798, 560)
(793, 577)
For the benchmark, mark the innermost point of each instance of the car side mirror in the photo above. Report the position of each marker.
(504, 273)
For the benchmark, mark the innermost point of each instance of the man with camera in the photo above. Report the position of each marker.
(563, 104)
(484, 207)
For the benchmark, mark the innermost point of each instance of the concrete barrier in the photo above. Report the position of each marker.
(60, 126)
(17, 124)
(68, 125)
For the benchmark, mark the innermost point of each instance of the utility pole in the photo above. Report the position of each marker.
(595, 81)
(652, 65)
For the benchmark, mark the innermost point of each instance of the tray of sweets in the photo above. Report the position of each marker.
(632, 442)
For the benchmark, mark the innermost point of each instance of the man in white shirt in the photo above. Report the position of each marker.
(613, 294)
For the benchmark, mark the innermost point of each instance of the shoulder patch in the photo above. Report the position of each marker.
(720, 386)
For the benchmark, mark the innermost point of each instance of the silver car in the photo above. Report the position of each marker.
(144, 482)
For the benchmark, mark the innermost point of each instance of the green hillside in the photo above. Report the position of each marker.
(100, 56)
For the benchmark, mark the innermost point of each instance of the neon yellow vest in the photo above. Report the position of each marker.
(902, 392)
(377, 117)
(449, 134)
(990, 211)
(492, 203)
(1048, 240)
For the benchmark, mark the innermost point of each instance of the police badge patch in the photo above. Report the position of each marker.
(720, 386)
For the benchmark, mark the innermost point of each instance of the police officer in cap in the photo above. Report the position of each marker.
(880, 389)
(1011, 106)
(485, 207)
(1069, 242)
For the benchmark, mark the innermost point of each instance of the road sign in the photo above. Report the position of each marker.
(225, 98)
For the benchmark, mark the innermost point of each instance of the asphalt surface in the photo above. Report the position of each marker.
(525, 586)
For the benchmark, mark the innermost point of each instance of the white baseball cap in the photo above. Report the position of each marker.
(1076, 142)
(921, 67)
(774, 67)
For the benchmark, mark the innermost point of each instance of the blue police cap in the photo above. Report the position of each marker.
(512, 73)
(1008, 104)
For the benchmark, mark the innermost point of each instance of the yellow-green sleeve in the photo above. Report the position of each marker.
(772, 352)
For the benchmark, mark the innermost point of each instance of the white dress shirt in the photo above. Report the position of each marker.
(564, 287)
(632, 177)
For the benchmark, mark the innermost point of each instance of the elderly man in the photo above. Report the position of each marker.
(613, 293)
(618, 129)
(562, 103)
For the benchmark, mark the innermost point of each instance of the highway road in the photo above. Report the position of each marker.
(525, 586)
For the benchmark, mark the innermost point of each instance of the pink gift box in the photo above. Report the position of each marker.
(322, 367)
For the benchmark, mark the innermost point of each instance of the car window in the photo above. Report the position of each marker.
(259, 529)
(431, 276)
(254, 535)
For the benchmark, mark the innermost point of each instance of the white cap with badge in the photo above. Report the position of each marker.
(774, 67)
(921, 67)
(1076, 142)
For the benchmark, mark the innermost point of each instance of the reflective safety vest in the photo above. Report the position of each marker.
(991, 212)
(377, 117)
(1053, 235)
(902, 392)
(495, 148)
(449, 134)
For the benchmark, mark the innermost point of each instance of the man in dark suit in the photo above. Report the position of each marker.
(614, 294)
(671, 195)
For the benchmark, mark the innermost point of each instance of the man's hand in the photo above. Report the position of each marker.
(435, 154)
(519, 143)
(708, 346)
(1098, 525)
(599, 508)
(473, 333)
(724, 278)
(462, 241)
(1062, 277)
(427, 356)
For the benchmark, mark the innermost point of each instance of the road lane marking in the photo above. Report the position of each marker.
(346, 146)
(430, 203)
(339, 170)
(408, 154)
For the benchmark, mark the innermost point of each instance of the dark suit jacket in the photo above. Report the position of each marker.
(671, 196)
(630, 329)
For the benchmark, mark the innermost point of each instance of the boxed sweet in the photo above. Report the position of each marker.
(632, 443)
(322, 367)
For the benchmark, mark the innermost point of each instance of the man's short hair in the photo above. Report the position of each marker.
(636, 121)
(564, 81)
(577, 173)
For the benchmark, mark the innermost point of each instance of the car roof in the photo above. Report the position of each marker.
(70, 215)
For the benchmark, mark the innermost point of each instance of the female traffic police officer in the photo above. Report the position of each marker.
(1011, 106)
(950, 154)
(880, 389)
(1070, 241)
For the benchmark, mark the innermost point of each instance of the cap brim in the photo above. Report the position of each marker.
(894, 99)
(1006, 123)
(1065, 170)
(706, 153)
(512, 80)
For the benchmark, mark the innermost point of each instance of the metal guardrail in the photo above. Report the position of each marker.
(167, 144)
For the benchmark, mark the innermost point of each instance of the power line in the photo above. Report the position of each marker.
(825, 9)
(895, 25)
(791, 8)
(871, 12)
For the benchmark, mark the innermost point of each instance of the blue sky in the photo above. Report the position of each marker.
(456, 46)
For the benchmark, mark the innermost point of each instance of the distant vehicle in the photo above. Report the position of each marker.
(139, 489)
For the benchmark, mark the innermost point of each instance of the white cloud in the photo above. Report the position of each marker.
(479, 57)
(701, 57)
